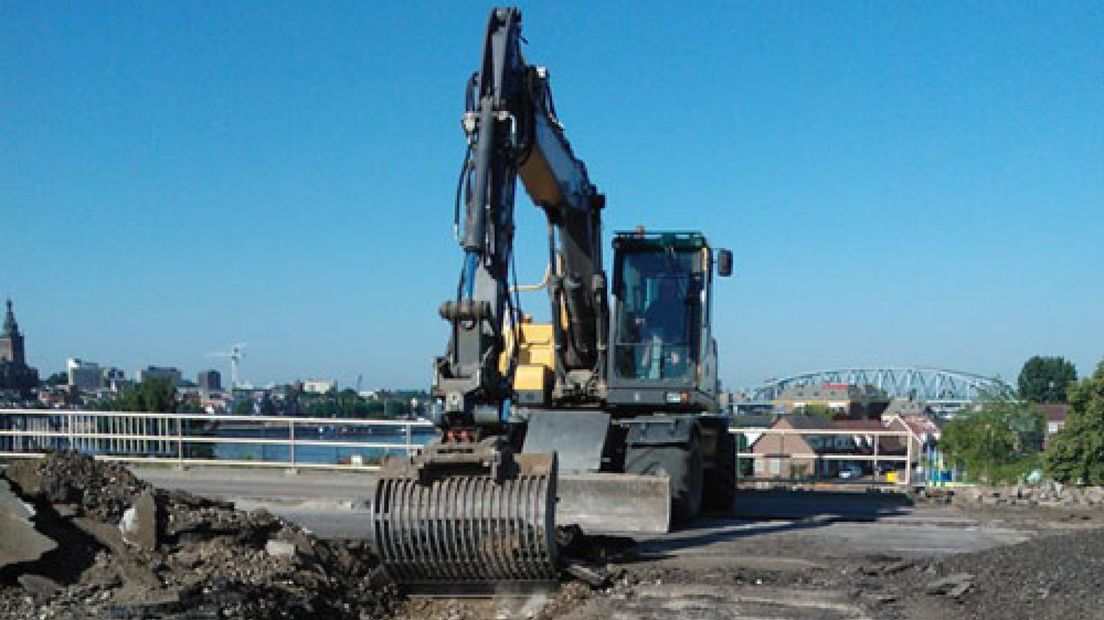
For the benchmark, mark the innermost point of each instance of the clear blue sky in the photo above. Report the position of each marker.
(901, 183)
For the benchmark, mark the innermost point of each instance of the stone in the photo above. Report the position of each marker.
(139, 522)
(40, 587)
(280, 548)
(66, 511)
(879, 598)
(590, 576)
(20, 541)
(133, 573)
(954, 585)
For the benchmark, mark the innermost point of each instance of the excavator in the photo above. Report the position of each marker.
(605, 417)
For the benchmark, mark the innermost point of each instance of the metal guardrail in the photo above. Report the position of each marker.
(179, 438)
(783, 457)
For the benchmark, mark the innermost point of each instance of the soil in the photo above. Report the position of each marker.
(189, 557)
(207, 560)
(1055, 576)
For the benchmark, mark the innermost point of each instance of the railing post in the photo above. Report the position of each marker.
(69, 421)
(782, 451)
(736, 459)
(908, 460)
(180, 441)
(291, 442)
(409, 438)
(877, 440)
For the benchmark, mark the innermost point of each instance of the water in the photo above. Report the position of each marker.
(315, 454)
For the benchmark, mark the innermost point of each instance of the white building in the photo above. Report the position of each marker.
(319, 386)
(85, 376)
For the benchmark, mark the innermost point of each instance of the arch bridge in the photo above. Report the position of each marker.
(936, 386)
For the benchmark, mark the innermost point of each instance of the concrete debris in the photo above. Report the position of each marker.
(19, 540)
(280, 548)
(112, 546)
(139, 524)
(592, 576)
(952, 585)
(38, 586)
(1050, 494)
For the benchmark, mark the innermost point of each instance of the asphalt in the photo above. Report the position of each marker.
(335, 505)
(781, 555)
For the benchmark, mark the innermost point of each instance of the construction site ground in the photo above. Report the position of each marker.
(781, 554)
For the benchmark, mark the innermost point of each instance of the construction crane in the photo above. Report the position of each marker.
(235, 355)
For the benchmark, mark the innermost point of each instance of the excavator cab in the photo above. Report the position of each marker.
(663, 354)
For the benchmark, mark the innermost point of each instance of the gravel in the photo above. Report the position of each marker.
(1054, 577)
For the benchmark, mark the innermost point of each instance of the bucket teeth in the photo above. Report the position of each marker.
(467, 533)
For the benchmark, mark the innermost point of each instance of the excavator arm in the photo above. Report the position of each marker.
(470, 511)
(512, 131)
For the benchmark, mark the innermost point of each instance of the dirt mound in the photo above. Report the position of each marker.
(128, 550)
(1059, 576)
(103, 490)
(1051, 577)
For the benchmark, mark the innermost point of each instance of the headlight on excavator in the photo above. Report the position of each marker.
(678, 398)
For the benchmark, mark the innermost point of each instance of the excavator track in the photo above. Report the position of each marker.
(442, 529)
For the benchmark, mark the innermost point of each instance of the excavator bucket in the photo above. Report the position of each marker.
(607, 503)
(467, 519)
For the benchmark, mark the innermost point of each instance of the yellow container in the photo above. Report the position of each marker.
(891, 476)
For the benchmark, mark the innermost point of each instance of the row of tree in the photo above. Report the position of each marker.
(160, 395)
(1004, 439)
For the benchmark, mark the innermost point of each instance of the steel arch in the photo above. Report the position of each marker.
(934, 385)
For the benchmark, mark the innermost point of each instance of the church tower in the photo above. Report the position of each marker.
(11, 341)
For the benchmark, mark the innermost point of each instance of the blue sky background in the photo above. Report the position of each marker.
(901, 183)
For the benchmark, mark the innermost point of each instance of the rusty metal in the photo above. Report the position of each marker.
(474, 520)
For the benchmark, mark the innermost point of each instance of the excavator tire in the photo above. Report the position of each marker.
(682, 464)
(720, 480)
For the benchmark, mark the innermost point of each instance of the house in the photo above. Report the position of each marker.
(800, 455)
(922, 432)
(1055, 414)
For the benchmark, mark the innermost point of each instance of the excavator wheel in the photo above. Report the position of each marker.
(720, 480)
(682, 464)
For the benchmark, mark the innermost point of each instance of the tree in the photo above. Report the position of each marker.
(999, 441)
(243, 407)
(816, 410)
(1076, 454)
(58, 378)
(1045, 379)
(157, 395)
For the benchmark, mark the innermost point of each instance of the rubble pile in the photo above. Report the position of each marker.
(120, 548)
(1050, 494)
(1052, 576)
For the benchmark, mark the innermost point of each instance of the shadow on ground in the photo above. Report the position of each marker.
(792, 510)
(804, 504)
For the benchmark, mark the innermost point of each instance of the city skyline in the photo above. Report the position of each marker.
(901, 185)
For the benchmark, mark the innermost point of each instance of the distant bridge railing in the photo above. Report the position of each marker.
(204, 439)
(932, 385)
